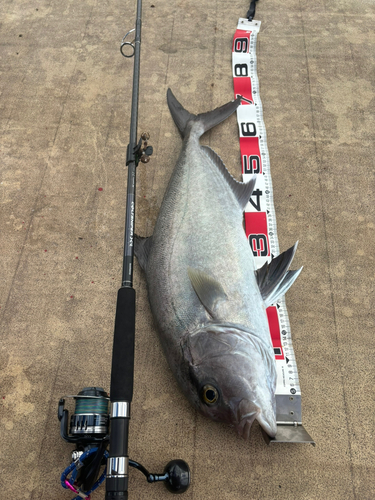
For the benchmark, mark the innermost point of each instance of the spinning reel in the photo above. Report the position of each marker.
(89, 431)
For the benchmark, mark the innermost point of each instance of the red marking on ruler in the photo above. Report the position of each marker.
(257, 233)
(273, 322)
(242, 86)
(241, 41)
(250, 155)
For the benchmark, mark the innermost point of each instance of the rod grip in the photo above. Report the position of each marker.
(122, 375)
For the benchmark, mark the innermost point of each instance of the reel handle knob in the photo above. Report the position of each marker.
(178, 473)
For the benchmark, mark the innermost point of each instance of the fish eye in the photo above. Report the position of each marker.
(209, 394)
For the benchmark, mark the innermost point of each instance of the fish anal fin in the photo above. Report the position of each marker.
(142, 247)
(274, 279)
(241, 190)
(289, 278)
(209, 291)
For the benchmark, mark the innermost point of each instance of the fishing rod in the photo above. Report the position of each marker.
(100, 421)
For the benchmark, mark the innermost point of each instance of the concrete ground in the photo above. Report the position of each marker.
(65, 97)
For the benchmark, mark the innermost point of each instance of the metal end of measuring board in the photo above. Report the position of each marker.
(287, 433)
(289, 422)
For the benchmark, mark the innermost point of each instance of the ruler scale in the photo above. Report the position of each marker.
(260, 226)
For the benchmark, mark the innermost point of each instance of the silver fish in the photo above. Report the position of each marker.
(207, 297)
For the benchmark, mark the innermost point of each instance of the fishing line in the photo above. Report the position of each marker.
(260, 222)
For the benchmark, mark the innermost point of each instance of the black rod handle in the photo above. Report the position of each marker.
(122, 375)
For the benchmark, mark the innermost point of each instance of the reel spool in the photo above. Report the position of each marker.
(89, 423)
(91, 413)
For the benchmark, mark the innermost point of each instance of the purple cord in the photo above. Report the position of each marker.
(68, 485)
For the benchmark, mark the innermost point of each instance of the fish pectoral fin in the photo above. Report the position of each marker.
(209, 291)
(242, 190)
(142, 247)
(274, 279)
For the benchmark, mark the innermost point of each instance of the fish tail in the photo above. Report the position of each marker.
(185, 120)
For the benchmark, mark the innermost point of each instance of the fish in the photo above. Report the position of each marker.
(207, 297)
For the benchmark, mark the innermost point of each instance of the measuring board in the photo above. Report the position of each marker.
(260, 225)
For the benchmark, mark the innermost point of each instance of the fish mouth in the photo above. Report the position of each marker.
(267, 422)
(244, 425)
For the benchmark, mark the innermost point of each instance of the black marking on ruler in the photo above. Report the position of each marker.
(244, 99)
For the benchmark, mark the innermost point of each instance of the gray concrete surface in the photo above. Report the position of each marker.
(64, 118)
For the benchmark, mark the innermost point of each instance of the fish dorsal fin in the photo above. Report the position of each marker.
(209, 291)
(241, 190)
(142, 247)
(274, 279)
(184, 120)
